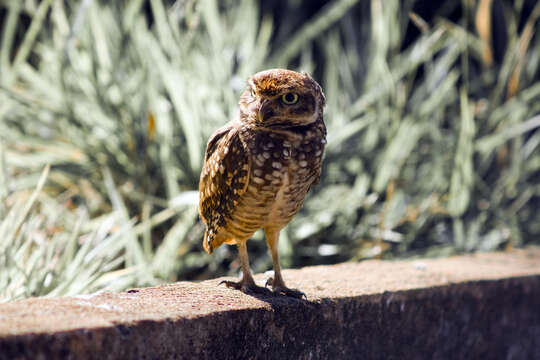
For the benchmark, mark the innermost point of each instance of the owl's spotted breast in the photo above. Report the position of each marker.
(257, 178)
(284, 165)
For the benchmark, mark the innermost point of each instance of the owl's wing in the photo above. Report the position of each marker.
(214, 140)
(224, 178)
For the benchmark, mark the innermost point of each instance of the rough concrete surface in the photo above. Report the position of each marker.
(483, 306)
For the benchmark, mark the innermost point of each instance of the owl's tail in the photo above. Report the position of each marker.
(213, 240)
(207, 240)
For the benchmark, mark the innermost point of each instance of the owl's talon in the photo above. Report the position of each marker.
(282, 290)
(270, 281)
(246, 288)
(231, 284)
(279, 288)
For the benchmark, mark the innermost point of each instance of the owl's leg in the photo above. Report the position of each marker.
(247, 284)
(278, 285)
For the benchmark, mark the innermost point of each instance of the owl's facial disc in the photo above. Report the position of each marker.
(281, 98)
(291, 108)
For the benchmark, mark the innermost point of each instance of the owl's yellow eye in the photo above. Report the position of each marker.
(252, 92)
(289, 98)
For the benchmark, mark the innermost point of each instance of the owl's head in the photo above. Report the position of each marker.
(281, 98)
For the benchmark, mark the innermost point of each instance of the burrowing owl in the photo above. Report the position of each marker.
(258, 168)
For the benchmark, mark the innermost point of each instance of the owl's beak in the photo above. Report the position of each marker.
(260, 111)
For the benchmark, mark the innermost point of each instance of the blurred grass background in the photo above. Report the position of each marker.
(432, 111)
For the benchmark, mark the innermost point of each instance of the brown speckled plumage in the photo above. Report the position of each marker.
(258, 169)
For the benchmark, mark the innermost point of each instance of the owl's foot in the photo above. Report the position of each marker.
(279, 288)
(246, 287)
(282, 290)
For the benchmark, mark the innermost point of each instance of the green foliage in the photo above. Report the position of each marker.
(431, 149)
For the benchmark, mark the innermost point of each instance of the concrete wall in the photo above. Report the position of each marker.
(484, 306)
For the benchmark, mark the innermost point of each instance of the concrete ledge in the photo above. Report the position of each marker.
(478, 306)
